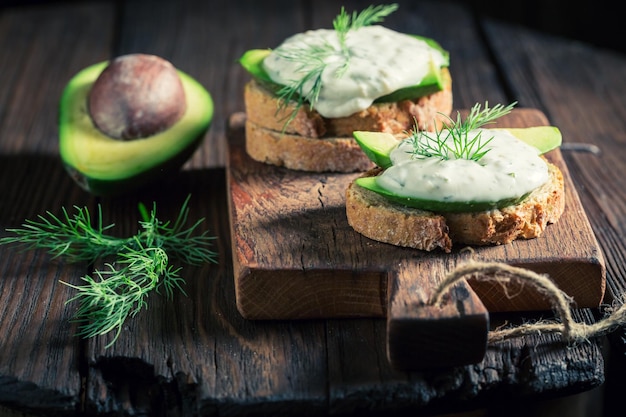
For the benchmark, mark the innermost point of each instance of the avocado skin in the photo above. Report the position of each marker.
(80, 142)
(119, 187)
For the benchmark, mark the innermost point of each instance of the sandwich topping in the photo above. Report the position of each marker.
(344, 71)
(510, 169)
(462, 167)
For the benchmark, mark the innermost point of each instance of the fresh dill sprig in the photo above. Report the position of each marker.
(311, 58)
(75, 237)
(425, 145)
(142, 262)
(344, 23)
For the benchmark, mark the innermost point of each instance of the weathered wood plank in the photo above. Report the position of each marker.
(588, 106)
(40, 368)
(581, 88)
(196, 354)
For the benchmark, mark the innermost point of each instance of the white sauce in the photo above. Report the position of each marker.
(510, 169)
(381, 62)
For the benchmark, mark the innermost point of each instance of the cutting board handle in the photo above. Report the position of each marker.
(421, 335)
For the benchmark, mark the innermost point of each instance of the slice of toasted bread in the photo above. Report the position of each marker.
(331, 154)
(379, 219)
(310, 142)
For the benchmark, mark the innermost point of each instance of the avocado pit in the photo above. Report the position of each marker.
(136, 96)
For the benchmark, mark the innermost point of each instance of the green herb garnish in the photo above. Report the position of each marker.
(141, 263)
(311, 58)
(344, 23)
(462, 147)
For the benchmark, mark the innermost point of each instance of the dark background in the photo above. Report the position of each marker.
(596, 22)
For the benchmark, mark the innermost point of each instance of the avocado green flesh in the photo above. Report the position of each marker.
(252, 61)
(544, 138)
(377, 146)
(430, 84)
(371, 184)
(104, 165)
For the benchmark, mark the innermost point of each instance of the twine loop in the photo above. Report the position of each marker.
(570, 330)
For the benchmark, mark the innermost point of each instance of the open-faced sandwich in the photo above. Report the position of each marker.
(310, 93)
(462, 184)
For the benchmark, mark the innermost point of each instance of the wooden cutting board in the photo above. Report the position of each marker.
(296, 257)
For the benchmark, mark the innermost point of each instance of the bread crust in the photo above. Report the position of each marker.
(379, 219)
(310, 142)
(334, 154)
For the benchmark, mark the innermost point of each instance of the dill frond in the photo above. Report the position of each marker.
(142, 262)
(424, 145)
(311, 59)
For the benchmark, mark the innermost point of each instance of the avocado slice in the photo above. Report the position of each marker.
(377, 146)
(544, 138)
(431, 83)
(252, 62)
(371, 184)
(105, 166)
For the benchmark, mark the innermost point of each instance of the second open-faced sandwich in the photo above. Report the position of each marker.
(310, 93)
(462, 184)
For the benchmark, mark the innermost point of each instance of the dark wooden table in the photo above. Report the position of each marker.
(196, 355)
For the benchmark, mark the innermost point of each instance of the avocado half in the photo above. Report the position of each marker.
(107, 166)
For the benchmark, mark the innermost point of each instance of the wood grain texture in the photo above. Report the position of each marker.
(40, 367)
(588, 104)
(196, 355)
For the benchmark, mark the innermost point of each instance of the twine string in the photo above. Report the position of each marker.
(570, 330)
